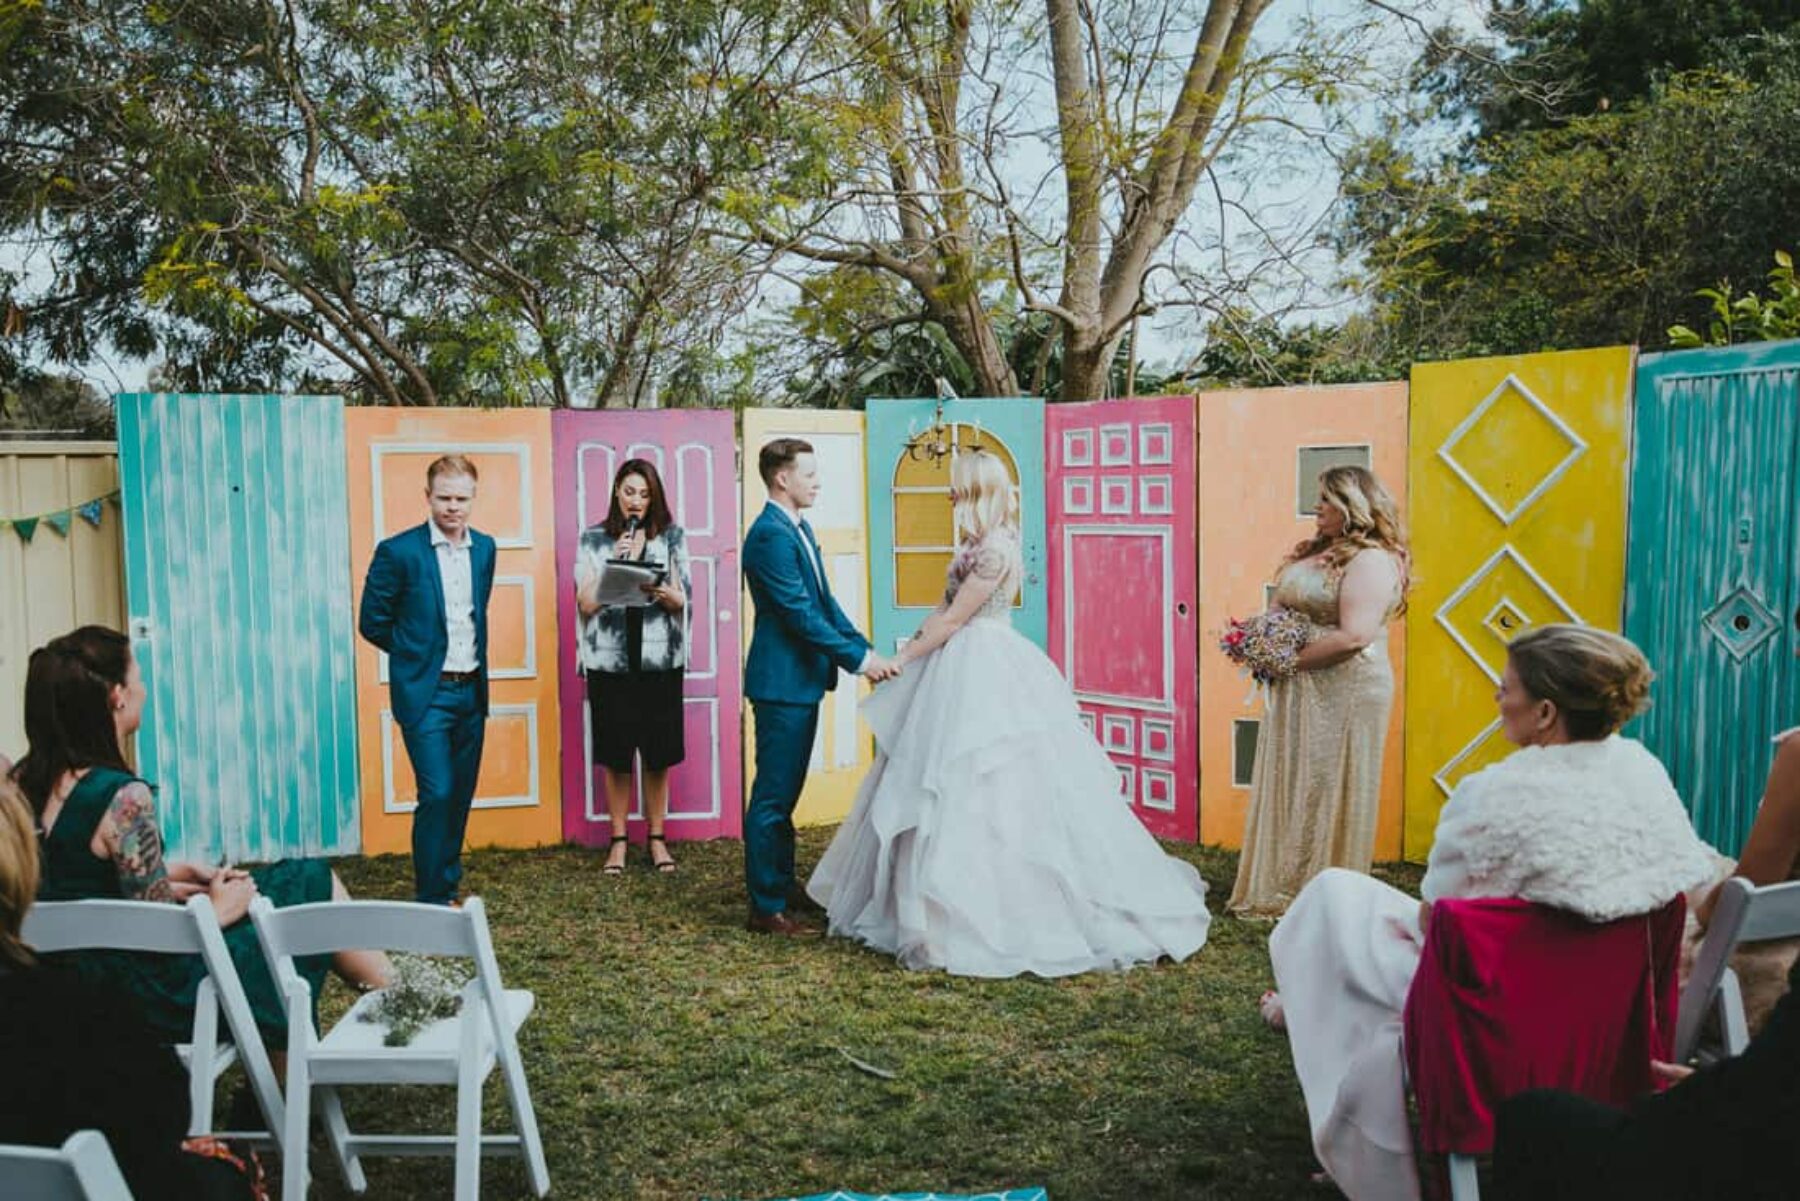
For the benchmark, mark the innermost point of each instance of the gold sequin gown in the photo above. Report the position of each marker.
(1316, 786)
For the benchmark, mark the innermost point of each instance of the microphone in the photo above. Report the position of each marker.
(631, 525)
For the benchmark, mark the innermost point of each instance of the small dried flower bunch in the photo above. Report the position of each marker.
(424, 990)
(1268, 645)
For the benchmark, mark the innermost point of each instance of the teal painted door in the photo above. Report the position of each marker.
(237, 570)
(911, 539)
(1710, 594)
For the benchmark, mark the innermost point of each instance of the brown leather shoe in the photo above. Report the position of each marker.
(779, 923)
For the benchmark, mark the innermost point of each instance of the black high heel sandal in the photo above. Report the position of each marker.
(667, 865)
(616, 869)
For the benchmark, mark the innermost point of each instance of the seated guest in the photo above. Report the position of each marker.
(80, 1056)
(1578, 819)
(83, 699)
(1771, 855)
(1726, 1132)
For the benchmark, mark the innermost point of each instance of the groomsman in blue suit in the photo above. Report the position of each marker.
(800, 642)
(425, 603)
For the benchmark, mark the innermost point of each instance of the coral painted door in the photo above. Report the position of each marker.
(911, 539)
(1123, 584)
(388, 452)
(695, 452)
(843, 750)
(1261, 454)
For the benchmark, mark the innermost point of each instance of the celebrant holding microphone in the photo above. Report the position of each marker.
(1315, 789)
(632, 588)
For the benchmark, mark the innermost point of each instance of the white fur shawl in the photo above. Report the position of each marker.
(1592, 827)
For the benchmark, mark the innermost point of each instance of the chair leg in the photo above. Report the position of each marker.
(1463, 1184)
(203, 1056)
(293, 1143)
(331, 1108)
(468, 1101)
(518, 1096)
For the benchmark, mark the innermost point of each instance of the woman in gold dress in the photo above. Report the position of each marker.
(1316, 784)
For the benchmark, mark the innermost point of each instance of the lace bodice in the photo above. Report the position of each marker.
(995, 556)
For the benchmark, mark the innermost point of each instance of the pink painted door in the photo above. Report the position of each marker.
(695, 451)
(1123, 586)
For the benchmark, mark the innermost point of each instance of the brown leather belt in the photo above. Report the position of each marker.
(460, 677)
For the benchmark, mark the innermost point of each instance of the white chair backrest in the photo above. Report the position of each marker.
(1774, 912)
(1743, 913)
(52, 926)
(82, 1169)
(156, 926)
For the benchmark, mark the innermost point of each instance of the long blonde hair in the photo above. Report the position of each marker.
(18, 872)
(983, 494)
(1371, 522)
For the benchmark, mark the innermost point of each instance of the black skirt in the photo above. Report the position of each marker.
(636, 712)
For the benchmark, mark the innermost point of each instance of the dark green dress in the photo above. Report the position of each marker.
(167, 984)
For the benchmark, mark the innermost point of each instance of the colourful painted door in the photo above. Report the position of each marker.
(1261, 454)
(1518, 503)
(1123, 592)
(517, 794)
(1712, 596)
(237, 574)
(695, 452)
(843, 750)
(911, 539)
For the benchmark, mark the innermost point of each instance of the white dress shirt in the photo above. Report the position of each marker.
(458, 575)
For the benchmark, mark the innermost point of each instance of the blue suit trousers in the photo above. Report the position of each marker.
(445, 749)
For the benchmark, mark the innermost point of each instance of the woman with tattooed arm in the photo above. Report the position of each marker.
(83, 699)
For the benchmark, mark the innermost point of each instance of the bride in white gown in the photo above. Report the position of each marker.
(989, 838)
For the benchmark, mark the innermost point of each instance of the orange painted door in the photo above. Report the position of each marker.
(517, 799)
(1261, 453)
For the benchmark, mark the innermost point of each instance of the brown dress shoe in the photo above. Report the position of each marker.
(779, 923)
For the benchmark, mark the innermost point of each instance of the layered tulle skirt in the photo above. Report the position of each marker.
(990, 838)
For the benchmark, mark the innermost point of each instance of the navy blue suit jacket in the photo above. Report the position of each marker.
(403, 614)
(801, 637)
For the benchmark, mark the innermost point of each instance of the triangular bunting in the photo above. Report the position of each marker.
(59, 521)
(25, 526)
(90, 512)
(114, 498)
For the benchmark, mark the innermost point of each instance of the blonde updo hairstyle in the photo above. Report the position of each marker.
(1597, 681)
(1371, 522)
(983, 494)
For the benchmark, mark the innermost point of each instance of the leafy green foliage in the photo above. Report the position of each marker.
(1750, 317)
(496, 202)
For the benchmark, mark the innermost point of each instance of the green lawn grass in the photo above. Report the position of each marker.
(675, 1055)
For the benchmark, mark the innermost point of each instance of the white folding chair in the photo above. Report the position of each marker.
(459, 1051)
(1743, 913)
(82, 1169)
(191, 929)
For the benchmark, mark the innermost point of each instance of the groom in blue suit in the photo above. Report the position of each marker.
(425, 603)
(800, 642)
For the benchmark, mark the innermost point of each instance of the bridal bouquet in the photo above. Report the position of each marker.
(1268, 645)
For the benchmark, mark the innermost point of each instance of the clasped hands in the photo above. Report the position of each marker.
(878, 670)
(229, 887)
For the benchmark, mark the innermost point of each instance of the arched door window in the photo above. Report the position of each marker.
(925, 536)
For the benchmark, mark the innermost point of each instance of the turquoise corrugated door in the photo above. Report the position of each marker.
(237, 568)
(1711, 595)
(911, 534)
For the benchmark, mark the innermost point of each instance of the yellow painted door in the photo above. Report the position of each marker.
(843, 750)
(518, 794)
(1518, 483)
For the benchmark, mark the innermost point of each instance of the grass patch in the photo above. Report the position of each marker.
(675, 1055)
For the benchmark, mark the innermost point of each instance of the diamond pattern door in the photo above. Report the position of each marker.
(1517, 481)
(1712, 595)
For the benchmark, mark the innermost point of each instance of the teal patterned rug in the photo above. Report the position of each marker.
(1021, 1194)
